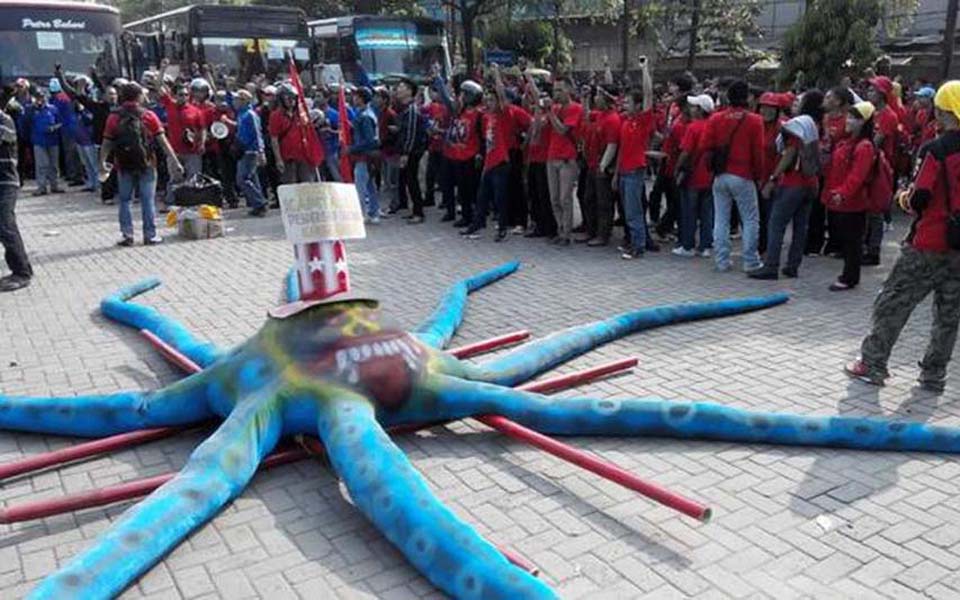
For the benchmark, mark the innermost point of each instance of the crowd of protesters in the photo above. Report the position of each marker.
(725, 158)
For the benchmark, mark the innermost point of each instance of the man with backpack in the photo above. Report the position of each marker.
(929, 259)
(734, 139)
(129, 135)
(413, 143)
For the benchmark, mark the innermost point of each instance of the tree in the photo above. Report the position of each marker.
(530, 39)
(469, 12)
(832, 35)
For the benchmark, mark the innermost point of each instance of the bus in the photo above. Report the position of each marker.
(371, 49)
(236, 41)
(35, 36)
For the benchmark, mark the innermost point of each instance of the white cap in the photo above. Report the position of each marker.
(704, 101)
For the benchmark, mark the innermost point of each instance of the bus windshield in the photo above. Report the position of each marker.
(389, 48)
(246, 57)
(34, 53)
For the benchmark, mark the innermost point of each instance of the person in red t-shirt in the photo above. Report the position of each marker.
(136, 169)
(463, 152)
(517, 209)
(845, 189)
(602, 136)
(437, 117)
(793, 192)
(665, 184)
(837, 103)
(287, 138)
(929, 259)
(538, 189)
(886, 131)
(696, 181)
(185, 125)
(738, 134)
(497, 129)
(635, 131)
(565, 118)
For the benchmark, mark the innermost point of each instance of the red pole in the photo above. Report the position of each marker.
(600, 467)
(489, 344)
(171, 354)
(84, 450)
(562, 382)
(116, 493)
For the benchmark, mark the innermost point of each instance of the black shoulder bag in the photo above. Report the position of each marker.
(721, 154)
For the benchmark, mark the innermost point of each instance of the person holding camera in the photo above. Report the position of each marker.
(929, 260)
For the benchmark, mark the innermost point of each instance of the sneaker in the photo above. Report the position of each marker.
(57, 190)
(859, 370)
(631, 254)
(596, 243)
(536, 233)
(125, 242)
(415, 220)
(582, 238)
(471, 231)
(705, 253)
(723, 268)
(561, 241)
(501, 235)
(384, 215)
(764, 274)
(681, 251)
(518, 230)
(40, 192)
(13, 283)
(789, 273)
(155, 240)
(461, 223)
(374, 220)
(927, 382)
(260, 211)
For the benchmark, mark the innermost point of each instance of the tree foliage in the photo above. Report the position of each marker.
(532, 40)
(832, 36)
(723, 25)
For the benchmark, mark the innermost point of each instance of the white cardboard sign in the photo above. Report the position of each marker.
(314, 212)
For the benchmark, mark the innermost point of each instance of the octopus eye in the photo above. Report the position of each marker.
(72, 580)
(679, 412)
(862, 429)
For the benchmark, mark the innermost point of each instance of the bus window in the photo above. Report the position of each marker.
(33, 53)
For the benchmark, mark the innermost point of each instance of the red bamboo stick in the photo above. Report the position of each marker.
(490, 344)
(117, 493)
(170, 353)
(600, 467)
(85, 450)
(562, 382)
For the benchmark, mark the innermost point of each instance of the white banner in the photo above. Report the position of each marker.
(314, 212)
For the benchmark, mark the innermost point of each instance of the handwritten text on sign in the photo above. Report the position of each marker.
(321, 211)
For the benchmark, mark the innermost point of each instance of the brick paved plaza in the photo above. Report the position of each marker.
(787, 522)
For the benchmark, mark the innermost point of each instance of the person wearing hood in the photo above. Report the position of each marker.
(793, 187)
(929, 260)
(886, 125)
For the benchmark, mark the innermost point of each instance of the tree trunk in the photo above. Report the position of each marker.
(625, 42)
(694, 34)
(949, 32)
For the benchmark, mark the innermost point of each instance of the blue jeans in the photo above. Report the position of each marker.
(332, 160)
(696, 206)
(789, 204)
(248, 181)
(727, 190)
(146, 184)
(493, 185)
(632, 191)
(88, 156)
(369, 199)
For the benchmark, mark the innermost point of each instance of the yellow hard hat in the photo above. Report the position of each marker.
(948, 98)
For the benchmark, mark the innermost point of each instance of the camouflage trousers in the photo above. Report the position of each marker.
(913, 277)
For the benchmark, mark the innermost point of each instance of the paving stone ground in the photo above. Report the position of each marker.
(891, 522)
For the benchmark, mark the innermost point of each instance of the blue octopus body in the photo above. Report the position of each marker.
(342, 372)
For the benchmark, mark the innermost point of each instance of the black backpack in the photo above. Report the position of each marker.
(131, 148)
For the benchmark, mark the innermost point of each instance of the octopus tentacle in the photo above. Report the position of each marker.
(119, 308)
(533, 358)
(391, 493)
(440, 326)
(691, 420)
(182, 403)
(216, 472)
(291, 286)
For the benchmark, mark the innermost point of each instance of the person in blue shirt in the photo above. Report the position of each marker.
(330, 136)
(73, 170)
(365, 142)
(249, 145)
(42, 120)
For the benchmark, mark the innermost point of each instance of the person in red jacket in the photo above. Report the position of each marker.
(845, 191)
(886, 131)
(929, 260)
(738, 133)
(186, 129)
(635, 132)
(287, 139)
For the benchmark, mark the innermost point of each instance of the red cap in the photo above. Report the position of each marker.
(883, 84)
(770, 99)
(786, 100)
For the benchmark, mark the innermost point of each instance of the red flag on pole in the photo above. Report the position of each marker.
(308, 135)
(346, 137)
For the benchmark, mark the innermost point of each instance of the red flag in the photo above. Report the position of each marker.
(308, 135)
(346, 137)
